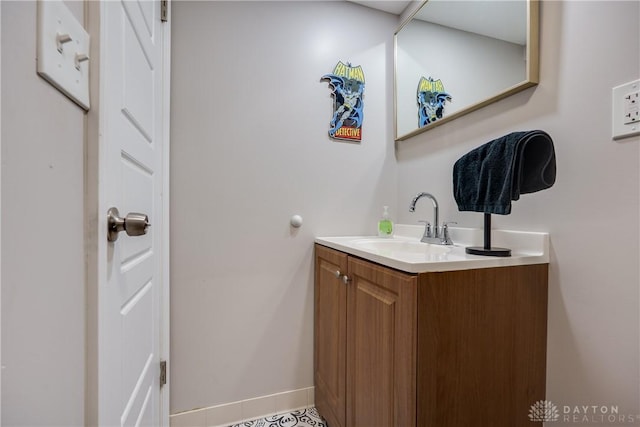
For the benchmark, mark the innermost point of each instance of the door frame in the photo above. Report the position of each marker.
(165, 349)
(95, 219)
(0, 228)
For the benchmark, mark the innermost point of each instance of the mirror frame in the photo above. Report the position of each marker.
(532, 72)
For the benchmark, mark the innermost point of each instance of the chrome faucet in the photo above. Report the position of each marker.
(432, 235)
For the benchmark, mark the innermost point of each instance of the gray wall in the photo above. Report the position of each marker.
(42, 236)
(592, 211)
(241, 280)
(242, 289)
(249, 149)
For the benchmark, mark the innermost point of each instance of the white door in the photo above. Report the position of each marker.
(132, 277)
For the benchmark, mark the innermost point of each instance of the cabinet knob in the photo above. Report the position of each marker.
(345, 278)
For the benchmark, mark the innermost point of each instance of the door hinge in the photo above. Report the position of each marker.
(163, 372)
(164, 10)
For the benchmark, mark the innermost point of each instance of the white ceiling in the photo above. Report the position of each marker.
(504, 20)
(392, 6)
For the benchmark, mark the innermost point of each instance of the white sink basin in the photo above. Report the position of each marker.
(399, 247)
(404, 251)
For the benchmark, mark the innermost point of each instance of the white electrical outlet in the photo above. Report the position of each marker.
(632, 108)
(626, 110)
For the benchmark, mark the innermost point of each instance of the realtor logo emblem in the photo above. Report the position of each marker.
(543, 410)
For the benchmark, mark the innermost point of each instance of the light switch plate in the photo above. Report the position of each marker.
(63, 50)
(625, 110)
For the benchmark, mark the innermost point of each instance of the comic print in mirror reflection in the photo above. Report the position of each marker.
(431, 99)
(347, 83)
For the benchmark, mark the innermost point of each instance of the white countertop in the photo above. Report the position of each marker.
(405, 252)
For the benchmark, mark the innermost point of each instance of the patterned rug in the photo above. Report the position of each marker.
(303, 418)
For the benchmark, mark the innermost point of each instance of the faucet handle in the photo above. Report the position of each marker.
(427, 228)
(446, 239)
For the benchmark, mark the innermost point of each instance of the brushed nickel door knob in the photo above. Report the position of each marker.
(135, 224)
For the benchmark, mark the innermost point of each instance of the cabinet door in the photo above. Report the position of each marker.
(381, 344)
(330, 335)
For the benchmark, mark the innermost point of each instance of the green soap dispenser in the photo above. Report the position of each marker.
(385, 225)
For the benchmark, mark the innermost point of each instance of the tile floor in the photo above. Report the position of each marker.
(303, 418)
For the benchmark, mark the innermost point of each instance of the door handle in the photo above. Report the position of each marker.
(135, 224)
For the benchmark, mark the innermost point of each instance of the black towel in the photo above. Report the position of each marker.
(489, 177)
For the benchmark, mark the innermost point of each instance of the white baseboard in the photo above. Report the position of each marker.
(245, 410)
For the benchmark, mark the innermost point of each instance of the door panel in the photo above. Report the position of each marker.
(131, 143)
(138, 82)
(136, 195)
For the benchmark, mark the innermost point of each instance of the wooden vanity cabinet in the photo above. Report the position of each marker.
(442, 349)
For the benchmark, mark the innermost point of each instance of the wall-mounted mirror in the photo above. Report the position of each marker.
(453, 57)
